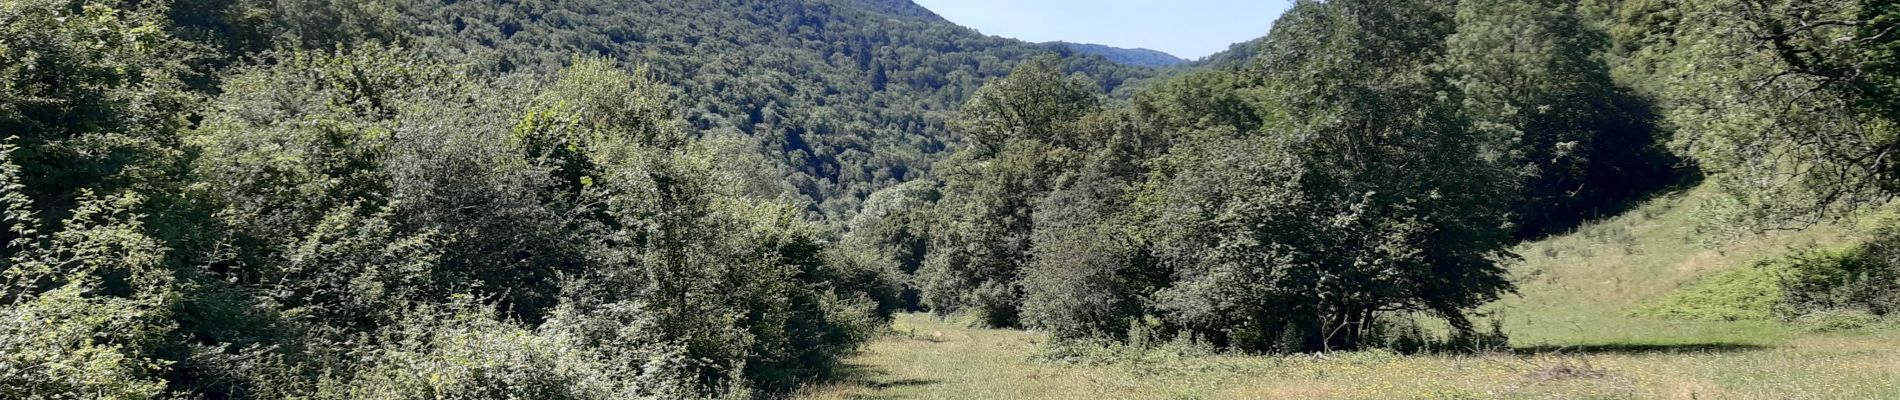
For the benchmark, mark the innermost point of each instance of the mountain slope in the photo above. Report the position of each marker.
(898, 8)
(1135, 57)
(1236, 55)
(849, 96)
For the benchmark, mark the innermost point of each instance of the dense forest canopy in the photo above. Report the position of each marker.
(596, 199)
(843, 97)
(846, 99)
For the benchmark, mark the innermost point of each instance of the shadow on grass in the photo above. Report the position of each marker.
(874, 380)
(1634, 348)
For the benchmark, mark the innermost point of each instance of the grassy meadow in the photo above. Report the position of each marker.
(1576, 326)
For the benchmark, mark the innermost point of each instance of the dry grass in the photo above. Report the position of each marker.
(994, 364)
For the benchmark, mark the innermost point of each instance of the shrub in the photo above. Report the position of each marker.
(1831, 287)
(1142, 346)
(616, 258)
(65, 344)
(1078, 286)
(1748, 293)
(462, 351)
(1408, 336)
(1864, 278)
(1823, 321)
(83, 309)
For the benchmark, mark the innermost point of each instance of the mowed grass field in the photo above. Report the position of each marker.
(1574, 324)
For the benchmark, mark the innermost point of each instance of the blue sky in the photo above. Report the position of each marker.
(1188, 29)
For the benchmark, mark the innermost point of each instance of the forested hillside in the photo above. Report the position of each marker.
(599, 199)
(1136, 57)
(845, 96)
(849, 96)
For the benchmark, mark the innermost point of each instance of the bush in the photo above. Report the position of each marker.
(83, 310)
(1823, 321)
(612, 251)
(1078, 286)
(1142, 346)
(463, 351)
(1410, 337)
(1741, 294)
(1864, 278)
(1829, 289)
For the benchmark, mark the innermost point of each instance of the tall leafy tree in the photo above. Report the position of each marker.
(93, 91)
(1021, 126)
(1035, 102)
(1090, 274)
(1798, 120)
(1365, 195)
(1536, 89)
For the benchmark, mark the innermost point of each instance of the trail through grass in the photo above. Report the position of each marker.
(1575, 326)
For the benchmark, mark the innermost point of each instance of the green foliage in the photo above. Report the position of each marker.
(84, 309)
(1023, 127)
(1533, 83)
(1032, 103)
(1864, 279)
(92, 91)
(1346, 206)
(1084, 284)
(978, 251)
(1837, 320)
(1825, 289)
(894, 228)
(1261, 208)
(1089, 276)
(354, 272)
(1751, 293)
(249, 26)
(1797, 119)
(1144, 347)
(1205, 100)
(478, 357)
(356, 193)
(67, 344)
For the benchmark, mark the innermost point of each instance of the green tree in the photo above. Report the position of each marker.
(1369, 197)
(982, 242)
(1090, 274)
(894, 227)
(92, 90)
(1797, 119)
(1535, 87)
(85, 308)
(1034, 102)
(1023, 133)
